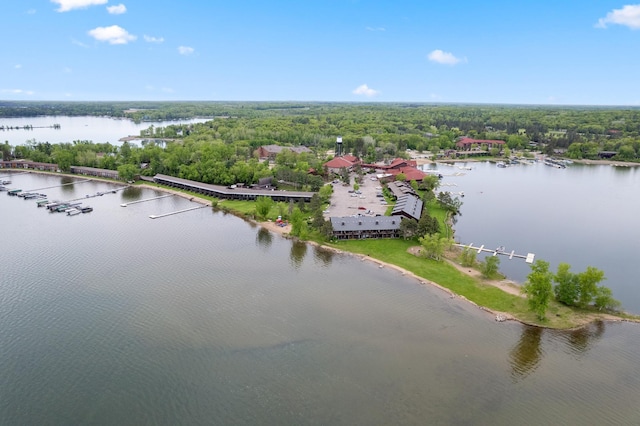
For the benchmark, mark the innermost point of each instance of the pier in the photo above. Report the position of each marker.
(146, 199)
(498, 251)
(57, 186)
(158, 216)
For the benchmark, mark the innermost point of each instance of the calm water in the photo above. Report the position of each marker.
(584, 215)
(95, 129)
(112, 318)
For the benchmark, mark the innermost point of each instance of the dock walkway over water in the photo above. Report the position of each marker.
(498, 251)
(145, 200)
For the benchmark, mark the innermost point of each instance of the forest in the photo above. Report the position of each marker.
(222, 150)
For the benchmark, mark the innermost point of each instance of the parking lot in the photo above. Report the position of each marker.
(345, 203)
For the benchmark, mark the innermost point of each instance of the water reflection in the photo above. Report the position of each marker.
(264, 238)
(323, 256)
(67, 183)
(132, 193)
(297, 253)
(581, 340)
(526, 354)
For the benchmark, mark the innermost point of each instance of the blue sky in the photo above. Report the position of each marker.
(517, 52)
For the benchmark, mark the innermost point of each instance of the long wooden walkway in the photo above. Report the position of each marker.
(499, 251)
(146, 199)
(158, 216)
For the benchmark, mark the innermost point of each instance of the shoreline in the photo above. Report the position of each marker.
(504, 285)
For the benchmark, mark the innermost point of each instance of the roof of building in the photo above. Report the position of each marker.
(411, 173)
(471, 141)
(276, 149)
(365, 223)
(351, 158)
(338, 163)
(398, 188)
(409, 205)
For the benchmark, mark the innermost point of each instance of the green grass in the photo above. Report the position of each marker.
(442, 273)
(395, 252)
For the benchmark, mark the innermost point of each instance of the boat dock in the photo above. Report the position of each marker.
(57, 186)
(498, 251)
(158, 216)
(146, 199)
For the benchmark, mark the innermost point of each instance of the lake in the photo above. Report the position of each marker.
(95, 129)
(584, 215)
(201, 318)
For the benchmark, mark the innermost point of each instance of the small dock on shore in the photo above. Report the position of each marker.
(145, 200)
(158, 216)
(528, 258)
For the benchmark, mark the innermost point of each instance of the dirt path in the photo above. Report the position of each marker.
(507, 286)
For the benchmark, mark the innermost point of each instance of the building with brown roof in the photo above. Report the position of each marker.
(466, 144)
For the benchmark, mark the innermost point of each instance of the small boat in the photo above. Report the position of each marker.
(501, 164)
(73, 211)
(86, 209)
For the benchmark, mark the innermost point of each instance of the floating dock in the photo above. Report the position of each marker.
(64, 184)
(529, 258)
(146, 199)
(158, 216)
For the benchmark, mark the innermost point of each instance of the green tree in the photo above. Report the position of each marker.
(401, 177)
(468, 257)
(128, 172)
(538, 288)
(567, 288)
(434, 245)
(263, 206)
(428, 225)
(588, 282)
(604, 299)
(490, 267)
(430, 183)
(298, 224)
(408, 228)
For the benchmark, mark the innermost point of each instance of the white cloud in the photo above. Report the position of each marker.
(31, 12)
(17, 66)
(117, 10)
(375, 28)
(150, 39)
(67, 5)
(112, 35)
(18, 91)
(365, 90)
(629, 16)
(79, 43)
(168, 90)
(446, 58)
(186, 50)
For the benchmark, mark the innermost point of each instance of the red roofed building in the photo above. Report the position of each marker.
(338, 163)
(465, 144)
(411, 173)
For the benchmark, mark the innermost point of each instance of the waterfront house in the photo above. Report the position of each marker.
(361, 227)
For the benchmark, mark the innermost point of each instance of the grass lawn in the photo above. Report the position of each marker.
(446, 275)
